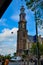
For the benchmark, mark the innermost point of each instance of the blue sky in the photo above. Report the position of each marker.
(9, 23)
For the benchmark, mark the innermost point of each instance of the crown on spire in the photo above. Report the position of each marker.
(22, 9)
(22, 14)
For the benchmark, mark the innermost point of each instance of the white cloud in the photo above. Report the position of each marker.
(15, 17)
(6, 49)
(8, 41)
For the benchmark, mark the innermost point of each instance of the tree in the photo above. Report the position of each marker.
(14, 54)
(8, 56)
(41, 49)
(33, 49)
(37, 7)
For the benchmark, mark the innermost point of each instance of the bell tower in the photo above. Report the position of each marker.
(22, 21)
(22, 32)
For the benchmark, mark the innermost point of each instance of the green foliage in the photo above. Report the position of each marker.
(37, 7)
(26, 52)
(23, 56)
(34, 49)
(14, 54)
(31, 4)
(1, 56)
(7, 56)
(41, 49)
(41, 5)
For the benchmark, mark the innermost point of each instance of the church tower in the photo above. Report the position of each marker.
(22, 32)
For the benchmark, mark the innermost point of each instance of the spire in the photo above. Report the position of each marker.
(22, 6)
(22, 9)
(22, 13)
(22, 2)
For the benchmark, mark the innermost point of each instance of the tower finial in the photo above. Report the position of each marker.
(22, 6)
(22, 14)
(22, 3)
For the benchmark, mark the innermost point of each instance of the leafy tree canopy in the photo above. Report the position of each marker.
(36, 5)
(34, 48)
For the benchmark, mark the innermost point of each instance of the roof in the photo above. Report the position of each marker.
(31, 38)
